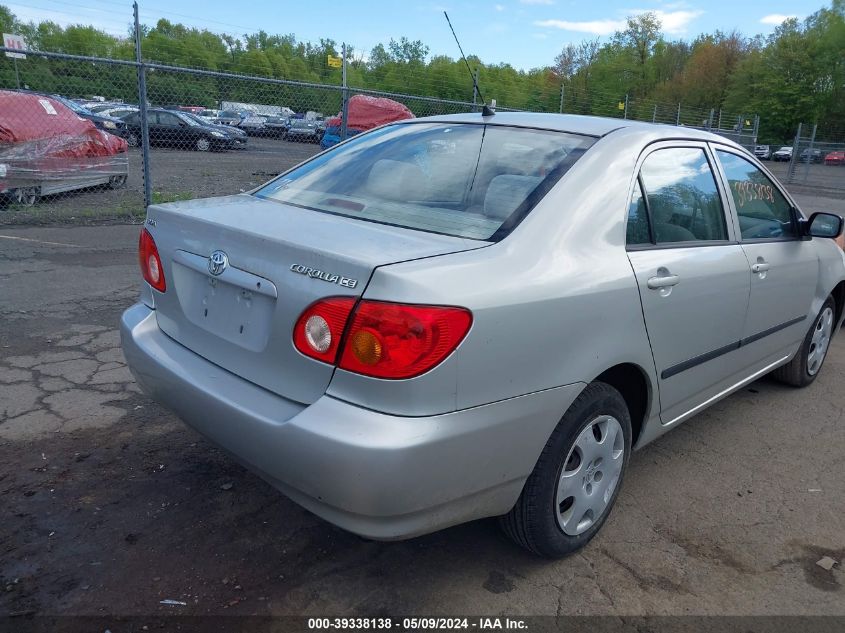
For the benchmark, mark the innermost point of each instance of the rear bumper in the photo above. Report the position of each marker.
(378, 475)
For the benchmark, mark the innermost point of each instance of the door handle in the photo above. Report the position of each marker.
(760, 267)
(664, 281)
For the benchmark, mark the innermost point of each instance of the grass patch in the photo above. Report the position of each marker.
(161, 197)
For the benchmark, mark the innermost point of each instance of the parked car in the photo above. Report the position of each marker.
(119, 112)
(230, 117)
(110, 124)
(209, 115)
(763, 152)
(276, 126)
(783, 154)
(177, 129)
(365, 112)
(100, 107)
(253, 124)
(238, 136)
(811, 156)
(47, 149)
(418, 328)
(835, 158)
(303, 130)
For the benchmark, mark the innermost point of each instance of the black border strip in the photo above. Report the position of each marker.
(756, 337)
(674, 370)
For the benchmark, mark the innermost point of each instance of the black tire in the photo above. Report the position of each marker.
(132, 139)
(117, 182)
(796, 372)
(533, 521)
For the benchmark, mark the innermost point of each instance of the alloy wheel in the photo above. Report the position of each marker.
(26, 196)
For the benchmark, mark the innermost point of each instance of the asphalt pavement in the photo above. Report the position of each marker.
(111, 505)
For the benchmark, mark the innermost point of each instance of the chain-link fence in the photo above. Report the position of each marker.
(817, 160)
(739, 127)
(86, 137)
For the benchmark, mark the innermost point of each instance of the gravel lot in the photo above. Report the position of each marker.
(176, 174)
(111, 505)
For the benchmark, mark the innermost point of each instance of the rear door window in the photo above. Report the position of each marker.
(682, 198)
(466, 180)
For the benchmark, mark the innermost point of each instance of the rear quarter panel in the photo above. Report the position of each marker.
(554, 303)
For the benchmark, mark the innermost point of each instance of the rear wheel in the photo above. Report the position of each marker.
(27, 196)
(117, 182)
(808, 360)
(568, 496)
(132, 139)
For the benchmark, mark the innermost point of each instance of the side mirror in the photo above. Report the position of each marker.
(824, 225)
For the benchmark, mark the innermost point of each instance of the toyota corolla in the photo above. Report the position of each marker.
(472, 316)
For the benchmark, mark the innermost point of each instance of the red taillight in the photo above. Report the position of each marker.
(393, 340)
(384, 340)
(150, 261)
(318, 330)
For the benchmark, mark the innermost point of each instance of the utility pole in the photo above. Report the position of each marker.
(142, 106)
(562, 94)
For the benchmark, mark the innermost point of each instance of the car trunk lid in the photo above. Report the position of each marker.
(272, 260)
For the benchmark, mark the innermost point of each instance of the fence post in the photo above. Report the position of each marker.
(678, 118)
(710, 120)
(142, 106)
(474, 89)
(719, 124)
(795, 145)
(810, 152)
(562, 94)
(344, 111)
(654, 114)
(625, 115)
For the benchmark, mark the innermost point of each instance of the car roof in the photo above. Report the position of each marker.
(574, 123)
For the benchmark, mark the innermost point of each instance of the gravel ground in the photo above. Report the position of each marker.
(111, 505)
(176, 175)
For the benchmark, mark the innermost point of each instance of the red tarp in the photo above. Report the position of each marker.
(367, 112)
(28, 117)
(41, 139)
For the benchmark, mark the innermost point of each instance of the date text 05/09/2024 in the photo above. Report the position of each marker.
(418, 624)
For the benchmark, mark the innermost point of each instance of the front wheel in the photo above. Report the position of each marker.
(132, 140)
(203, 145)
(808, 360)
(576, 481)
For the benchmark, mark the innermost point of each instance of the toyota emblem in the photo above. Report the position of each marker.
(218, 262)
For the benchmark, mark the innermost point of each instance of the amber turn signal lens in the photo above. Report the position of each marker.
(366, 346)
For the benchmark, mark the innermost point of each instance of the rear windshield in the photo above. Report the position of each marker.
(466, 180)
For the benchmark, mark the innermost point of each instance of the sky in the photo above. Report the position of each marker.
(524, 33)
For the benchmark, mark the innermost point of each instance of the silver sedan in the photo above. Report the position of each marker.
(460, 317)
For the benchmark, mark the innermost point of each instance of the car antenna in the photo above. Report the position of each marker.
(487, 110)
